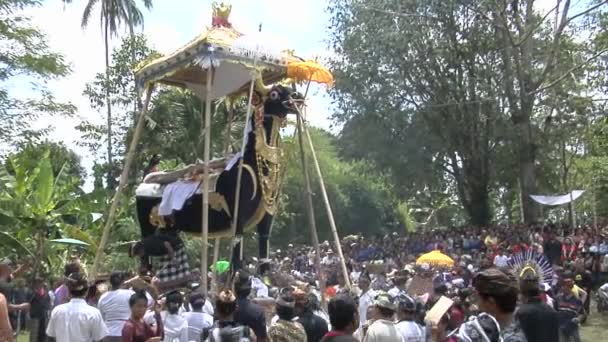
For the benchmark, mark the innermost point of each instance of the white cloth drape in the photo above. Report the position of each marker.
(558, 200)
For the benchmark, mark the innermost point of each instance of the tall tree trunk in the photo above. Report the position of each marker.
(479, 210)
(527, 168)
(110, 181)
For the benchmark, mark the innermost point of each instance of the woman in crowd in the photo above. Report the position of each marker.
(136, 329)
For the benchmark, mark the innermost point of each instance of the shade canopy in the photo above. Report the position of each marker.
(233, 57)
(558, 200)
(435, 258)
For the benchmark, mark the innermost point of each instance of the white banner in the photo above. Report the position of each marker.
(558, 200)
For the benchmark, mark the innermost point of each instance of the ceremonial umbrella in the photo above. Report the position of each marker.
(71, 242)
(435, 258)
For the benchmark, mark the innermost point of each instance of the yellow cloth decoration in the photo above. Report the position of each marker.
(435, 258)
(309, 71)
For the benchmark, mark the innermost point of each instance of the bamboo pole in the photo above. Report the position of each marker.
(121, 184)
(206, 157)
(310, 209)
(330, 214)
(239, 174)
(226, 149)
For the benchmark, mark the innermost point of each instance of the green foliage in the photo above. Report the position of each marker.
(35, 205)
(120, 83)
(26, 56)
(360, 196)
(477, 99)
(62, 159)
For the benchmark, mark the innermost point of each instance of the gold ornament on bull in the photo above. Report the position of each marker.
(221, 12)
(270, 169)
(155, 219)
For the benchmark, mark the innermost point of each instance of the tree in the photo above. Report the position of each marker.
(63, 160)
(34, 204)
(529, 71)
(425, 77)
(114, 13)
(25, 53)
(475, 77)
(362, 199)
(122, 92)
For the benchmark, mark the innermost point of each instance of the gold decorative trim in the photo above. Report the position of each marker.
(155, 219)
(270, 168)
(218, 202)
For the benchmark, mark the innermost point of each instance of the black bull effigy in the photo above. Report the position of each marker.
(260, 182)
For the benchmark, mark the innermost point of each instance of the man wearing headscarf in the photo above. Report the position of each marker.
(286, 329)
(76, 320)
(248, 313)
(538, 320)
(497, 295)
(315, 326)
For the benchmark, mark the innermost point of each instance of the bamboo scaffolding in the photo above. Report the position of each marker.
(121, 184)
(310, 209)
(206, 157)
(330, 214)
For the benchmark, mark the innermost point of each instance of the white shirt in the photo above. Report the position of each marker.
(501, 261)
(261, 290)
(207, 308)
(365, 301)
(411, 331)
(383, 331)
(115, 310)
(197, 322)
(76, 321)
(176, 326)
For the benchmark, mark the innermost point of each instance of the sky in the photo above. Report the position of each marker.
(286, 24)
(295, 24)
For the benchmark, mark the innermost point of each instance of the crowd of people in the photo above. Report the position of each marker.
(517, 283)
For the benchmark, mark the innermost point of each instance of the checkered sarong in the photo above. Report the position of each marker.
(174, 273)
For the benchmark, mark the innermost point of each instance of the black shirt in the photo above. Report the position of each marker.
(155, 245)
(251, 315)
(539, 321)
(40, 303)
(315, 326)
(553, 251)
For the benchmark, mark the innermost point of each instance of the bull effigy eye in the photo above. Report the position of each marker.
(274, 95)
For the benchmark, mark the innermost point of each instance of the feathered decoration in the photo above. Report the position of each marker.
(531, 261)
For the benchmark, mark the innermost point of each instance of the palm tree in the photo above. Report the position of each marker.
(113, 14)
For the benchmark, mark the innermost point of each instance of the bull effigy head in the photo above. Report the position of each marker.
(282, 100)
(279, 100)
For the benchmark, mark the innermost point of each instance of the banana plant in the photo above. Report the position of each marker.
(33, 205)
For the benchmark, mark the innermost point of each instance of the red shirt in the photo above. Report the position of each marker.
(134, 331)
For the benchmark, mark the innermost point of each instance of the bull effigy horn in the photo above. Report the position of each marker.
(261, 88)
